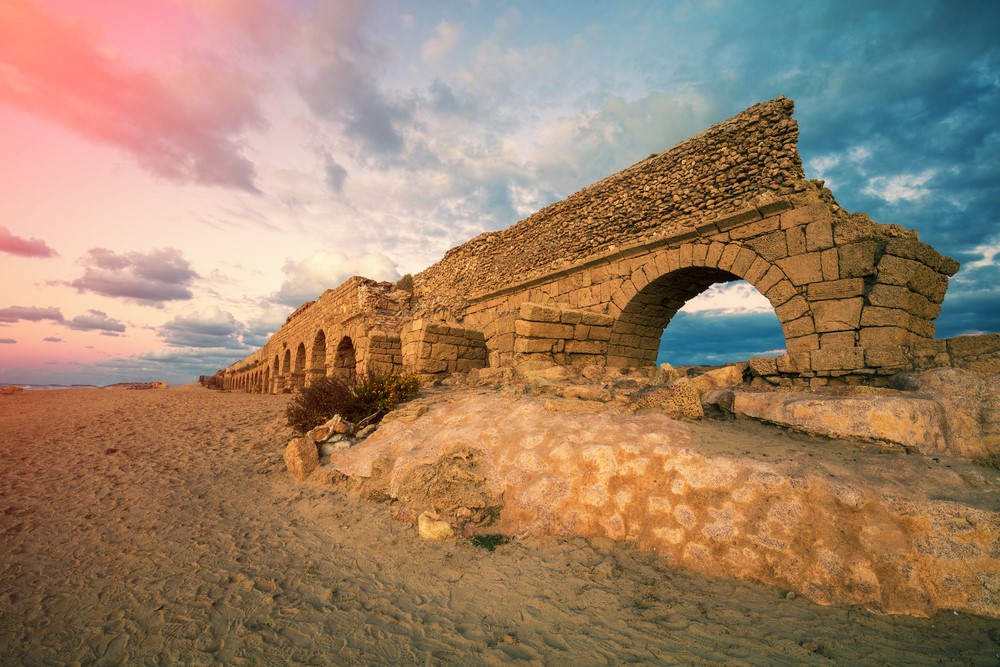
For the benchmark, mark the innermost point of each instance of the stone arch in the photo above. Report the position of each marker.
(299, 369)
(286, 372)
(644, 305)
(265, 385)
(276, 376)
(345, 361)
(317, 357)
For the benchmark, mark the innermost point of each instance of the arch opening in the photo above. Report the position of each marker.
(345, 362)
(317, 357)
(299, 370)
(695, 316)
(286, 372)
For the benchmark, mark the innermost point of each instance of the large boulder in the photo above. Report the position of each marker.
(301, 458)
(971, 407)
(911, 422)
(835, 522)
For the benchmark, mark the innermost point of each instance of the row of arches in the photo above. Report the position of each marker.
(289, 370)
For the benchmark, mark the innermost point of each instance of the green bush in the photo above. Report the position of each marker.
(327, 397)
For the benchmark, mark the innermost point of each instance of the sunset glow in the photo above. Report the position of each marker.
(176, 176)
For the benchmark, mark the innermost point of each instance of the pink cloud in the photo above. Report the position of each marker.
(184, 124)
(15, 245)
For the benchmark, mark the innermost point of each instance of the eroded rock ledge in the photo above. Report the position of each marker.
(545, 451)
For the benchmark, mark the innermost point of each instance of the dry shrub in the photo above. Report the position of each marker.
(327, 397)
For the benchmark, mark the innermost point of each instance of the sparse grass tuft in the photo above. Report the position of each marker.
(489, 542)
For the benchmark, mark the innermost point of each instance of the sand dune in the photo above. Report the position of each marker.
(148, 527)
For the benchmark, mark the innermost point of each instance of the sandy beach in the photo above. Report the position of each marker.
(154, 527)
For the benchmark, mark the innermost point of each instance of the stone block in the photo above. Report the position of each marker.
(831, 264)
(837, 315)
(836, 339)
(699, 253)
(857, 260)
(586, 347)
(880, 337)
(910, 273)
(803, 215)
(891, 356)
(973, 347)
(792, 309)
(600, 333)
(913, 249)
(756, 271)
(445, 351)
(795, 239)
(763, 366)
(803, 269)
(770, 246)
(714, 254)
(543, 329)
(532, 345)
(755, 228)
(534, 312)
(743, 261)
(792, 363)
(836, 289)
(301, 458)
(729, 256)
(596, 319)
(802, 344)
(858, 227)
(819, 235)
(773, 276)
(837, 359)
(875, 316)
(801, 326)
(780, 293)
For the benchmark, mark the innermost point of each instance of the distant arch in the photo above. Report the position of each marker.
(286, 372)
(345, 362)
(317, 358)
(299, 371)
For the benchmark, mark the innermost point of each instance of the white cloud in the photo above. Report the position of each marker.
(210, 328)
(324, 270)
(445, 36)
(902, 187)
(989, 251)
(729, 299)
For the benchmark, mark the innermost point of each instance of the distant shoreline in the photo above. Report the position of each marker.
(41, 387)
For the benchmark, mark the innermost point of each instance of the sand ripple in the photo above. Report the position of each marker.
(137, 529)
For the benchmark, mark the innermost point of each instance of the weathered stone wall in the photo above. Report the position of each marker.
(855, 299)
(348, 331)
(434, 348)
(731, 167)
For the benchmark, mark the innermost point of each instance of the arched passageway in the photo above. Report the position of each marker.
(345, 362)
(286, 373)
(299, 371)
(276, 376)
(317, 358)
(727, 322)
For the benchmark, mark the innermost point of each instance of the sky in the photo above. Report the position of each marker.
(176, 176)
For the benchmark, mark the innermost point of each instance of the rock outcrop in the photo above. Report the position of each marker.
(833, 521)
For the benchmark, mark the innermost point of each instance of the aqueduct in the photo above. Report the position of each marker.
(596, 278)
